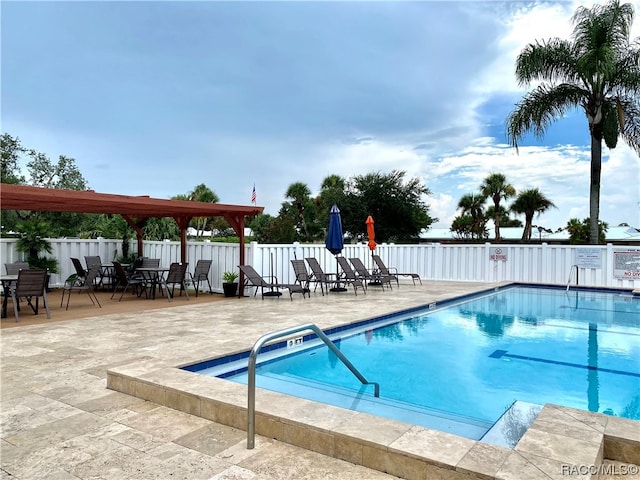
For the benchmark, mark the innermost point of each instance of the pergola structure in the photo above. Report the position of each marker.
(134, 209)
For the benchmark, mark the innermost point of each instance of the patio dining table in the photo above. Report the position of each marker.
(7, 281)
(153, 277)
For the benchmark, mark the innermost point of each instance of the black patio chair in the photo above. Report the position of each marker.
(319, 277)
(302, 275)
(176, 276)
(374, 278)
(31, 285)
(86, 285)
(15, 267)
(349, 277)
(393, 272)
(254, 279)
(125, 280)
(201, 274)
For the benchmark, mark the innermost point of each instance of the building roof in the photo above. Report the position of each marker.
(618, 233)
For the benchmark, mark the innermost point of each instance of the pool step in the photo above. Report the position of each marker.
(510, 427)
(364, 401)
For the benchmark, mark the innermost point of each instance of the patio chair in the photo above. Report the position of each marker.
(86, 285)
(105, 275)
(393, 272)
(126, 280)
(201, 274)
(80, 274)
(349, 276)
(254, 279)
(31, 285)
(15, 267)
(176, 276)
(302, 275)
(374, 278)
(319, 277)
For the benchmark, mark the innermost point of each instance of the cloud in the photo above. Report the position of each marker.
(157, 97)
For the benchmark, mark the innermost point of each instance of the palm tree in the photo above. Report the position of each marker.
(202, 193)
(530, 202)
(599, 71)
(496, 187)
(299, 194)
(472, 204)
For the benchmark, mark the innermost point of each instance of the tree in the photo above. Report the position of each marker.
(42, 172)
(201, 193)
(529, 202)
(332, 192)
(472, 204)
(32, 241)
(579, 231)
(496, 187)
(597, 70)
(505, 218)
(302, 208)
(397, 207)
(462, 226)
(11, 149)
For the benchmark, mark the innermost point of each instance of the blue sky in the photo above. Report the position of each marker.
(154, 98)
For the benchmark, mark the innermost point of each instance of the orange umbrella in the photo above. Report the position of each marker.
(371, 233)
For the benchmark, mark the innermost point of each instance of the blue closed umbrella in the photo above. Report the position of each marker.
(335, 240)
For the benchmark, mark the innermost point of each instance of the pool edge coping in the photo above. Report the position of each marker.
(574, 438)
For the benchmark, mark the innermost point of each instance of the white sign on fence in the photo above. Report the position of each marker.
(588, 257)
(498, 254)
(626, 264)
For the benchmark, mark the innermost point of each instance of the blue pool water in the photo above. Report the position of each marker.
(460, 366)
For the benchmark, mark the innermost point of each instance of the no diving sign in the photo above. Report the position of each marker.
(497, 254)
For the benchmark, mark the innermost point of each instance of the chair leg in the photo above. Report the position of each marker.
(94, 297)
(46, 302)
(15, 308)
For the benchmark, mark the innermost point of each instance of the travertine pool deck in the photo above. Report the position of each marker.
(61, 421)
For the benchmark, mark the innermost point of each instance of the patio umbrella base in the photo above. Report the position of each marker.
(338, 289)
(375, 284)
(272, 294)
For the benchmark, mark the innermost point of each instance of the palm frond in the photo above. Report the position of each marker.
(553, 60)
(541, 107)
(631, 132)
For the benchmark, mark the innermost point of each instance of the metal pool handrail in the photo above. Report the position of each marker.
(570, 272)
(251, 371)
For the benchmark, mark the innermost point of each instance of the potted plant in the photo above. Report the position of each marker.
(229, 284)
(33, 242)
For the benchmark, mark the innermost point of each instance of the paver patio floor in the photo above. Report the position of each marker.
(59, 421)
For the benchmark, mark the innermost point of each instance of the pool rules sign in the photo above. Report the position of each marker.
(626, 264)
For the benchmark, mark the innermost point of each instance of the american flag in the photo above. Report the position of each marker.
(253, 194)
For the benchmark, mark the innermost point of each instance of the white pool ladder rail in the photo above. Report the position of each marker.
(251, 371)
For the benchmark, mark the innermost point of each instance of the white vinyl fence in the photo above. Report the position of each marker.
(600, 265)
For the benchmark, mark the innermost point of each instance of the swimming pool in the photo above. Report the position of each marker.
(462, 366)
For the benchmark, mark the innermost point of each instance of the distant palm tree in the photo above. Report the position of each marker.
(299, 194)
(599, 71)
(496, 187)
(472, 204)
(201, 193)
(529, 202)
